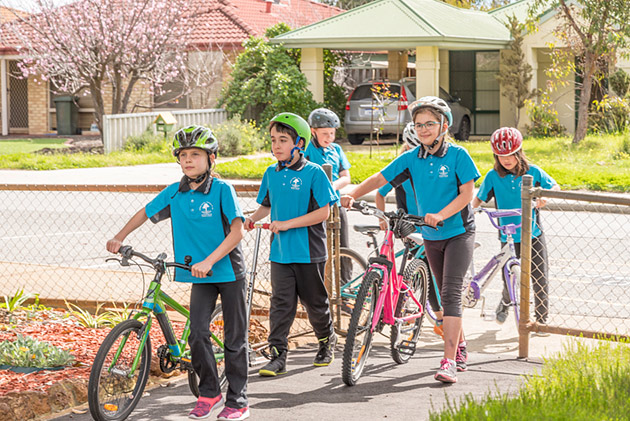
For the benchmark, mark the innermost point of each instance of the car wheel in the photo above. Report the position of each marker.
(464, 129)
(355, 139)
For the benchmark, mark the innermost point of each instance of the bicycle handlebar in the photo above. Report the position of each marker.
(367, 209)
(500, 213)
(128, 252)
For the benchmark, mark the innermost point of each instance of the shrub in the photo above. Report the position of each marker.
(610, 115)
(544, 118)
(624, 150)
(620, 82)
(148, 142)
(238, 137)
(28, 352)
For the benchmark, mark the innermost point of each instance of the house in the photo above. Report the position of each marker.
(221, 26)
(456, 49)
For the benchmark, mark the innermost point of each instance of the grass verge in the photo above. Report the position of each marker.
(585, 382)
(26, 146)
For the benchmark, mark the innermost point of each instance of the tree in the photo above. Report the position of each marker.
(593, 32)
(98, 45)
(267, 80)
(515, 73)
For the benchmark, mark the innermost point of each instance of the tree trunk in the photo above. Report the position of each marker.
(585, 99)
(97, 102)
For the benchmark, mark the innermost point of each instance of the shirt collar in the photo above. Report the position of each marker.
(299, 164)
(184, 185)
(423, 152)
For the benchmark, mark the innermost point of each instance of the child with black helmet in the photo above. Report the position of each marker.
(207, 224)
(297, 195)
(322, 150)
(442, 175)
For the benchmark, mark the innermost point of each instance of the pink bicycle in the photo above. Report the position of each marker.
(386, 297)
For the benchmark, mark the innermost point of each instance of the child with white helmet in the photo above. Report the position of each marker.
(503, 183)
(442, 176)
(207, 225)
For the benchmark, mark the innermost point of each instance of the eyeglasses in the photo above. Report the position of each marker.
(429, 125)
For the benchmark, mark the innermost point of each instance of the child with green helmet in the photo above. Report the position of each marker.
(207, 224)
(297, 196)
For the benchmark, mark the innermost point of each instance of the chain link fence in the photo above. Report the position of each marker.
(52, 243)
(587, 240)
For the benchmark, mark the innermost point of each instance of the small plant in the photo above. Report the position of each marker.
(28, 352)
(148, 142)
(624, 150)
(94, 321)
(120, 315)
(610, 115)
(15, 302)
(544, 118)
(238, 137)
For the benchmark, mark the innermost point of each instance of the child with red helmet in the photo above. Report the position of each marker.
(504, 184)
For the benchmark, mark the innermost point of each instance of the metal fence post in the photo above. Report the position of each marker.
(526, 264)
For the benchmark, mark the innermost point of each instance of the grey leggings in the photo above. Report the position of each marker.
(449, 260)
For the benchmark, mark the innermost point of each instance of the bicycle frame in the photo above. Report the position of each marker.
(393, 284)
(482, 279)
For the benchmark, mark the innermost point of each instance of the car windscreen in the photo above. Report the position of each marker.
(365, 91)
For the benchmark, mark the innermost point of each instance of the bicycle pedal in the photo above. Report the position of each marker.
(407, 347)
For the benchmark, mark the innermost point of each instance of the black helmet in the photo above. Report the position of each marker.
(323, 118)
(195, 137)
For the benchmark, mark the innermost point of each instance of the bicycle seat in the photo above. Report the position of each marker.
(367, 229)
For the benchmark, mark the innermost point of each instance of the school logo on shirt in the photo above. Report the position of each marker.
(443, 171)
(206, 209)
(296, 183)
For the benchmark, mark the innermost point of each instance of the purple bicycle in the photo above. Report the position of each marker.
(505, 259)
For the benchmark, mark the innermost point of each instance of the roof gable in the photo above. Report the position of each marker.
(402, 24)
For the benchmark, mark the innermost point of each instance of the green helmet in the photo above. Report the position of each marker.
(195, 137)
(297, 123)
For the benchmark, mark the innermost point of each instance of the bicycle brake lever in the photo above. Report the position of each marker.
(124, 262)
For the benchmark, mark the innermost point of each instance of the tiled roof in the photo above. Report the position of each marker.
(7, 14)
(230, 22)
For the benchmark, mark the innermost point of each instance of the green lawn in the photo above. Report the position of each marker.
(25, 146)
(600, 162)
(584, 382)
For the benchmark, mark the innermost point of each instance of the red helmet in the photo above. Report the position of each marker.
(506, 141)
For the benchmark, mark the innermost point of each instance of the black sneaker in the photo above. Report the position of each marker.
(501, 313)
(326, 353)
(277, 365)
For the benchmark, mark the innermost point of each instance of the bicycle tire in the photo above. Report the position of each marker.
(216, 326)
(417, 277)
(112, 394)
(356, 351)
(350, 287)
(515, 281)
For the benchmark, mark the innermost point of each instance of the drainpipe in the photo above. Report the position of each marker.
(3, 90)
(268, 6)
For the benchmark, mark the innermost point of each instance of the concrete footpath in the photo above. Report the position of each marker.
(385, 391)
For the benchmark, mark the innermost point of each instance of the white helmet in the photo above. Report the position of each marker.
(410, 136)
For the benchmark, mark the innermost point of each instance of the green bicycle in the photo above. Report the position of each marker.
(122, 364)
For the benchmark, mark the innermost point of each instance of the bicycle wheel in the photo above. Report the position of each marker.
(515, 283)
(359, 339)
(405, 335)
(353, 269)
(216, 327)
(114, 389)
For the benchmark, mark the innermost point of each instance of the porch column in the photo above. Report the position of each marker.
(313, 68)
(396, 65)
(3, 95)
(427, 71)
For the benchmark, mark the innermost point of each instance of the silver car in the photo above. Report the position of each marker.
(382, 106)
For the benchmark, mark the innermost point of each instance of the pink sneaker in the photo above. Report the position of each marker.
(205, 406)
(447, 372)
(232, 414)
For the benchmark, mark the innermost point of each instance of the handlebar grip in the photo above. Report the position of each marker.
(440, 224)
(264, 226)
(126, 251)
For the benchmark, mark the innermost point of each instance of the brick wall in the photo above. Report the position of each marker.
(37, 106)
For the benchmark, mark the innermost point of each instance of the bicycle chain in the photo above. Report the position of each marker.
(164, 355)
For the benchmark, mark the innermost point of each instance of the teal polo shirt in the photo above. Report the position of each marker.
(200, 221)
(507, 193)
(405, 197)
(333, 155)
(291, 192)
(435, 180)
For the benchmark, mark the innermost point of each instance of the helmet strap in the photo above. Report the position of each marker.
(441, 135)
(295, 148)
(315, 142)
